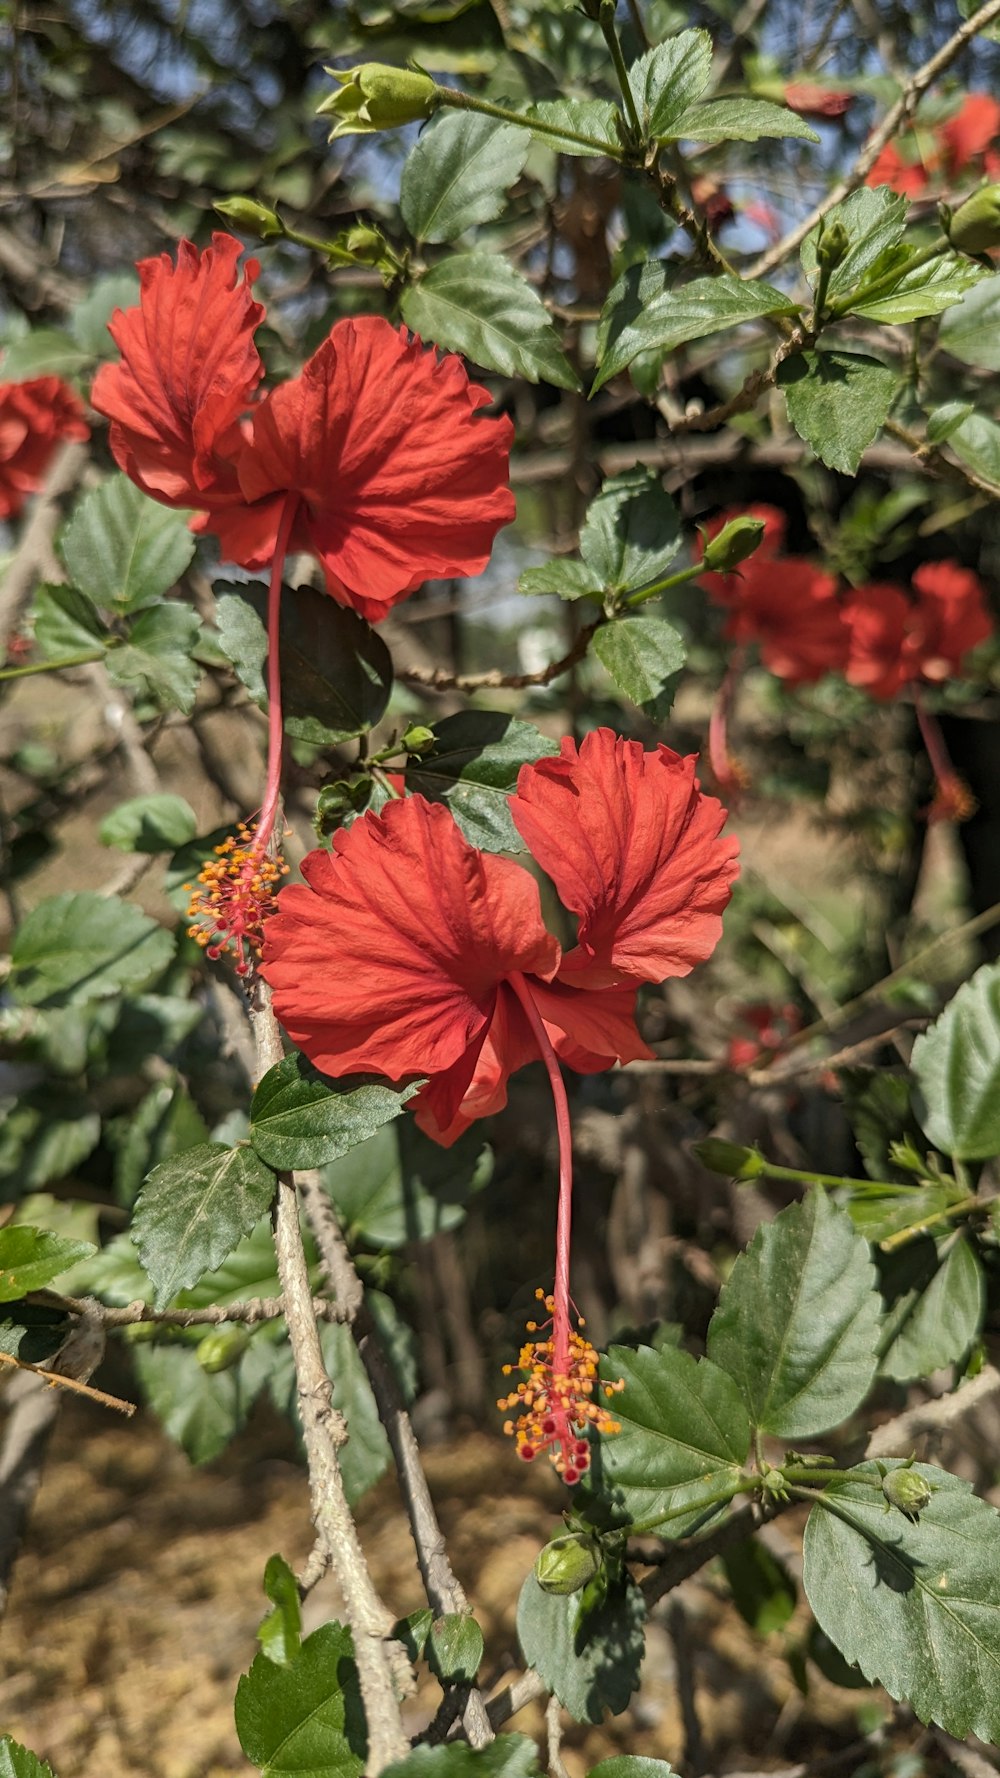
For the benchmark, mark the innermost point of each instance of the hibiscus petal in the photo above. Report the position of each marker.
(391, 958)
(402, 479)
(34, 416)
(188, 371)
(632, 844)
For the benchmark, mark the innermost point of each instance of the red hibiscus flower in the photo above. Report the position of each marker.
(970, 132)
(909, 178)
(784, 604)
(34, 418)
(953, 146)
(810, 100)
(895, 640)
(394, 474)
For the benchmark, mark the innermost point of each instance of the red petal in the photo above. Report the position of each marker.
(877, 617)
(951, 618)
(971, 130)
(34, 417)
(401, 478)
(390, 960)
(790, 609)
(188, 371)
(906, 177)
(631, 843)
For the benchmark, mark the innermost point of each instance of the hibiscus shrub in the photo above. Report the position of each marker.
(257, 1068)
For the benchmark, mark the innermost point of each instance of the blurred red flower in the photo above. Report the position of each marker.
(810, 100)
(397, 475)
(784, 604)
(896, 639)
(410, 953)
(952, 146)
(34, 418)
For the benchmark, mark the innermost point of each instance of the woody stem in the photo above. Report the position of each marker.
(275, 725)
(564, 1216)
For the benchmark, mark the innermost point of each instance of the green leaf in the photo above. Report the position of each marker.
(399, 1186)
(298, 1119)
(925, 291)
(44, 352)
(764, 1592)
(880, 1114)
(936, 1298)
(124, 549)
(838, 402)
(336, 672)
(31, 1258)
(193, 1210)
(75, 948)
(971, 332)
(90, 317)
(631, 1765)
(644, 656)
(509, 1756)
(632, 532)
(944, 420)
(473, 767)
(156, 823)
(797, 1321)
(586, 117)
(647, 312)
(684, 1434)
(591, 1667)
(977, 442)
(563, 577)
(957, 1068)
(280, 1632)
(17, 1762)
(44, 1135)
(306, 1718)
(201, 1413)
(737, 120)
(915, 1606)
(457, 173)
(455, 1648)
(157, 658)
(667, 80)
(479, 305)
(165, 1123)
(67, 622)
(874, 218)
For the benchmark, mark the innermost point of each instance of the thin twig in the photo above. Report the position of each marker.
(897, 1437)
(73, 1384)
(247, 1314)
(440, 680)
(553, 1737)
(521, 1691)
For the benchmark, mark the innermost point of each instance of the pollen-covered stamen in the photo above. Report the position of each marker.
(559, 1404)
(953, 800)
(233, 896)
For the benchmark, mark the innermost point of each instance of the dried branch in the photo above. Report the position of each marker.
(248, 1314)
(34, 557)
(440, 680)
(55, 1380)
(897, 1437)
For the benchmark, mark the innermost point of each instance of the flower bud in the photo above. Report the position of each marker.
(364, 244)
(730, 1158)
(975, 226)
(568, 1563)
(374, 96)
(832, 245)
(733, 544)
(907, 1491)
(222, 1348)
(418, 739)
(251, 217)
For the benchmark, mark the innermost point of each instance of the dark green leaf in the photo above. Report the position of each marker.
(977, 442)
(926, 291)
(644, 656)
(562, 576)
(400, 1186)
(880, 1214)
(764, 1592)
(915, 1606)
(957, 1068)
(473, 767)
(684, 1434)
(31, 1258)
(632, 532)
(298, 1119)
(44, 352)
(592, 1667)
(124, 549)
(667, 80)
(971, 332)
(336, 672)
(44, 1135)
(280, 1633)
(797, 1321)
(74, 948)
(509, 1756)
(874, 218)
(67, 622)
(647, 312)
(838, 402)
(585, 117)
(157, 658)
(165, 1123)
(455, 1648)
(193, 1210)
(479, 305)
(457, 173)
(935, 1304)
(737, 120)
(201, 1412)
(880, 1113)
(154, 823)
(90, 317)
(17, 1762)
(307, 1717)
(944, 420)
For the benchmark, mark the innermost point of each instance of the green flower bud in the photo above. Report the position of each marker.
(733, 544)
(832, 244)
(374, 96)
(975, 226)
(730, 1158)
(252, 218)
(907, 1491)
(141, 1333)
(417, 738)
(364, 244)
(568, 1563)
(222, 1348)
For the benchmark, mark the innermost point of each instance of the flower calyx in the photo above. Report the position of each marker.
(374, 96)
